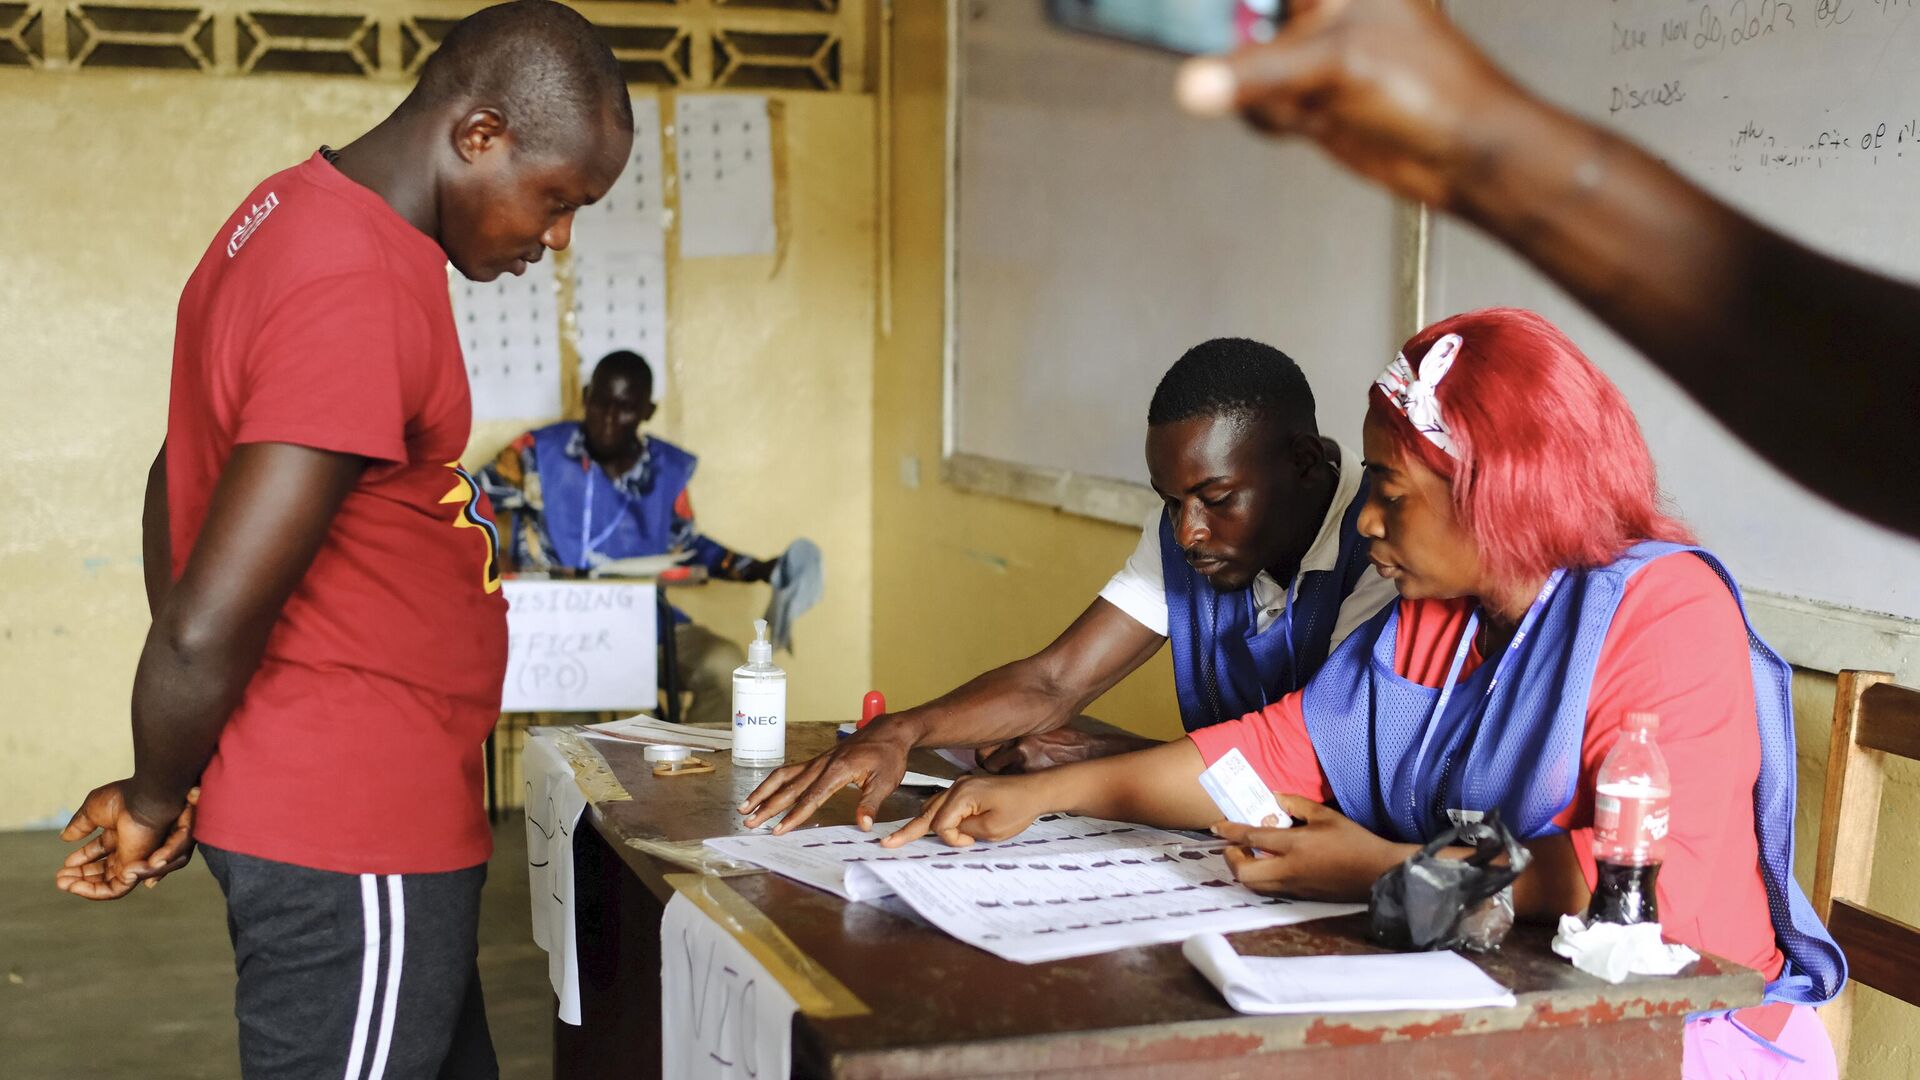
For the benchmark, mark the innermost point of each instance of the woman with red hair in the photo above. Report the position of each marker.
(1544, 597)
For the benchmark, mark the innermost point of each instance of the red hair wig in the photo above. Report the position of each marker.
(1553, 471)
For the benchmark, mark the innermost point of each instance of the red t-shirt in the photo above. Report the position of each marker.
(319, 317)
(1677, 647)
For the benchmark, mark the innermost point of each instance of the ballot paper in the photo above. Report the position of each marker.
(1240, 793)
(833, 858)
(1322, 984)
(1034, 908)
(721, 1013)
(553, 802)
(645, 729)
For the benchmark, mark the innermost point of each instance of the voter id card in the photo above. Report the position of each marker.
(1240, 793)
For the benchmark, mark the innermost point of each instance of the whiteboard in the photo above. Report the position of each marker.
(1805, 114)
(1098, 233)
(578, 646)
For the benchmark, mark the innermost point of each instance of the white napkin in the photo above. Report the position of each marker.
(1612, 952)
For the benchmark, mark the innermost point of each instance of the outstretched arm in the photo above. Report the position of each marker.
(1808, 360)
(1037, 694)
(1158, 787)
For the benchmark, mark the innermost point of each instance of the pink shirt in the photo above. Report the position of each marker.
(1678, 648)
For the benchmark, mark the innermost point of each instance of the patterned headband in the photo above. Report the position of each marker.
(1419, 397)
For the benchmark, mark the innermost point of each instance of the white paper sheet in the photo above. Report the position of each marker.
(619, 260)
(575, 646)
(920, 779)
(1294, 984)
(725, 161)
(721, 1014)
(646, 729)
(510, 339)
(554, 802)
(828, 858)
(1030, 909)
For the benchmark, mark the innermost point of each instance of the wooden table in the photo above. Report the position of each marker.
(941, 1008)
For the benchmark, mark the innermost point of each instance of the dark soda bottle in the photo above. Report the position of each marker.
(1630, 825)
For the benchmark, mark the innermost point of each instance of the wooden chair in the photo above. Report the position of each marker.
(1872, 717)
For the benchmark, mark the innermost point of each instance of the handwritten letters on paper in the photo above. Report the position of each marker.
(721, 1014)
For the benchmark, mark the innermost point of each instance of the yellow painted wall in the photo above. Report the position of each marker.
(963, 582)
(113, 183)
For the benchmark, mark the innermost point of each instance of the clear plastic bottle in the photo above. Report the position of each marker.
(1630, 825)
(759, 706)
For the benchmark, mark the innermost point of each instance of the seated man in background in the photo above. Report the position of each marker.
(1252, 568)
(578, 493)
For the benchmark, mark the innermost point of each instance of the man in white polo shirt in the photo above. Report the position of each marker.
(1252, 570)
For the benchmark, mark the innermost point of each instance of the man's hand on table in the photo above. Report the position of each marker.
(1062, 746)
(131, 847)
(874, 759)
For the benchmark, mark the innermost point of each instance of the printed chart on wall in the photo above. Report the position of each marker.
(620, 260)
(509, 333)
(725, 158)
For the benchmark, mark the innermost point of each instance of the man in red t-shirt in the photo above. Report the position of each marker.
(329, 638)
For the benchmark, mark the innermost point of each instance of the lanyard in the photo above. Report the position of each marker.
(1438, 716)
(588, 541)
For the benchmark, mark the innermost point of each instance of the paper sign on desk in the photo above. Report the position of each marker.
(1294, 984)
(834, 858)
(554, 802)
(1034, 908)
(578, 646)
(721, 1014)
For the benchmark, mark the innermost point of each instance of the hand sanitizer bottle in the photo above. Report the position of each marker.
(759, 706)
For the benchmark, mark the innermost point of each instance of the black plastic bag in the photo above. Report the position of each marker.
(1430, 902)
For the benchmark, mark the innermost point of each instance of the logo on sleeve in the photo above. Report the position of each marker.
(256, 214)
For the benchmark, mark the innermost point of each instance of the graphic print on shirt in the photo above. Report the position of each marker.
(466, 492)
(256, 214)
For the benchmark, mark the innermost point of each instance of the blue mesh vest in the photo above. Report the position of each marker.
(1222, 668)
(1518, 749)
(583, 510)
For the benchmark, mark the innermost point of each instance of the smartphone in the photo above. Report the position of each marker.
(1188, 27)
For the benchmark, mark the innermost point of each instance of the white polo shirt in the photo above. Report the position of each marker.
(1140, 588)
